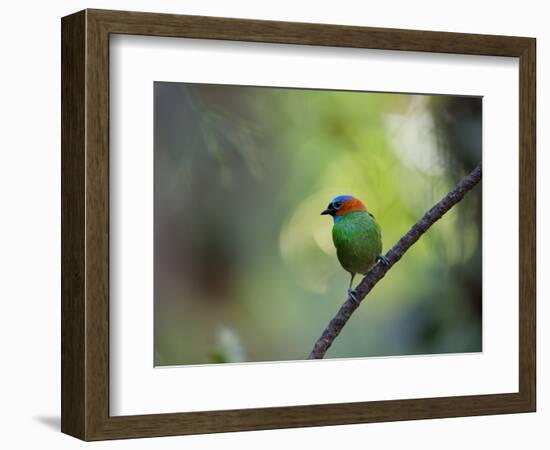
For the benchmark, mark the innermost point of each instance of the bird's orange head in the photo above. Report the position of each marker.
(342, 205)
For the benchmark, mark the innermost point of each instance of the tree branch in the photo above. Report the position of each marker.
(395, 254)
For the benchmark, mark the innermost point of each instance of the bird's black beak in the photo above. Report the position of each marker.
(330, 211)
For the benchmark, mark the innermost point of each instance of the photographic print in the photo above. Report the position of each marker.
(231, 226)
(271, 204)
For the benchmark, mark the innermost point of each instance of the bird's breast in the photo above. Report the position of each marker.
(358, 241)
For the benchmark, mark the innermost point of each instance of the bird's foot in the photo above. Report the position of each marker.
(383, 260)
(353, 296)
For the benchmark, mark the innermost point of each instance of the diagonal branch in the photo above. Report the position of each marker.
(379, 270)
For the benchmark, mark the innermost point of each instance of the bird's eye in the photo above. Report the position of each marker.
(336, 205)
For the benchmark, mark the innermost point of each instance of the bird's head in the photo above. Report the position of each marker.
(342, 205)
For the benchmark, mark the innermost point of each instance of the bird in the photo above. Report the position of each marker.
(356, 236)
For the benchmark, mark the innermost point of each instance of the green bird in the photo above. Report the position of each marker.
(356, 236)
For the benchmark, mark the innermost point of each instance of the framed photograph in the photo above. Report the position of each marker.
(271, 224)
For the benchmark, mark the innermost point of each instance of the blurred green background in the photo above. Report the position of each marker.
(245, 268)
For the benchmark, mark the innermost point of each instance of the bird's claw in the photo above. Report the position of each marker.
(352, 296)
(383, 260)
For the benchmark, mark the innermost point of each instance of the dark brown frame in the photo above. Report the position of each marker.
(85, 224)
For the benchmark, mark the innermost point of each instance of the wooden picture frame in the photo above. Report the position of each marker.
(85, 224)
